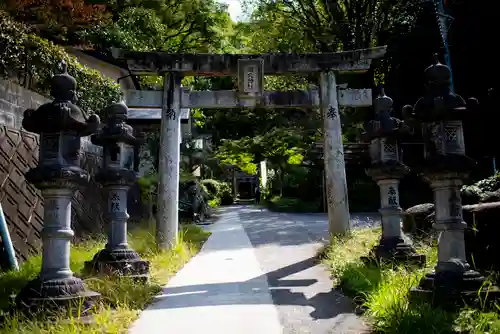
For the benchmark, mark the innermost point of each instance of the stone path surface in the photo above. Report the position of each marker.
(255, 274)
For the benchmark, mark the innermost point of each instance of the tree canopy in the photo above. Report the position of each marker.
(283, 137)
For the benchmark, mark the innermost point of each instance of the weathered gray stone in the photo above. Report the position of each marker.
(421, 217)
(117, 176)
(386, 169)
(60, 124)
(227, 64)
(416, 218)
(232, 99)
(14, 99)
(440, 113)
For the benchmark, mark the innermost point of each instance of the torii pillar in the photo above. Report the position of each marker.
(333, 157)
(167, 221)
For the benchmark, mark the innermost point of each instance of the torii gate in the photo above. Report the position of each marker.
(250, 69)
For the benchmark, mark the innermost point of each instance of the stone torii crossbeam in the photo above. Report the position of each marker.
(250, 69)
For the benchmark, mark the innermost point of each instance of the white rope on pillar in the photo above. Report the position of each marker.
(167, 227)
(333, 150)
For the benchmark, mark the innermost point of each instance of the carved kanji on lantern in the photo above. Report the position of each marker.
(114, 202)
(392, 196)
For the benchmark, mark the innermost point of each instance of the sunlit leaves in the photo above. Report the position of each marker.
(326, 25)
(22, 53)
(233, 153)
(169, 26)
(57, 19)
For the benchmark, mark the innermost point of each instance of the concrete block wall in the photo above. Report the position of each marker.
(14, 100)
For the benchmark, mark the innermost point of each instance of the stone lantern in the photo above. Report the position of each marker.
(386, 168)
(60, 124)
(439, 114)
(120, 152)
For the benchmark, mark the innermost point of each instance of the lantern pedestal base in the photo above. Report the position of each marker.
(449, 288)
(119, 262)
(66, 295)
(394, 250)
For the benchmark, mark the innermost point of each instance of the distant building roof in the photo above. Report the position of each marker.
(104, 57)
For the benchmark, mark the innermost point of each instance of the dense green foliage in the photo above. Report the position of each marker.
(219, 193)
(187, 27)
(482, 190)
(272, 26)
(34, 60)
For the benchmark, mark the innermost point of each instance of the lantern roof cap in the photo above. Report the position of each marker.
(437, 73)
(383, 102)
(62, 84)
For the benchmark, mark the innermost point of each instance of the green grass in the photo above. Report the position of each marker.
(383, 291)
(122, 299)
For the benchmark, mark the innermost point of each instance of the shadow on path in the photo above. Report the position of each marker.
(277, 229)
(189, 296)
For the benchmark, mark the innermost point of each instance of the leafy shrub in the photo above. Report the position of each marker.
(226, 194)
(214, 203)
(482, 190)
(148, 184)
(22, 53)
(219, 192)
(289, 204)
(212, 187)
(491, 183)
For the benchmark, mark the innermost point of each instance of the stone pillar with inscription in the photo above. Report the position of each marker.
(383, 132)
(440, 113)
(167, 222)
(336, 184)
(117, 176)
(60, 124)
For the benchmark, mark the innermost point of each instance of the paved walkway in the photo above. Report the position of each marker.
(255, 274)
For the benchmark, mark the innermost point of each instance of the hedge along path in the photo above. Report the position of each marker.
(32, 61)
